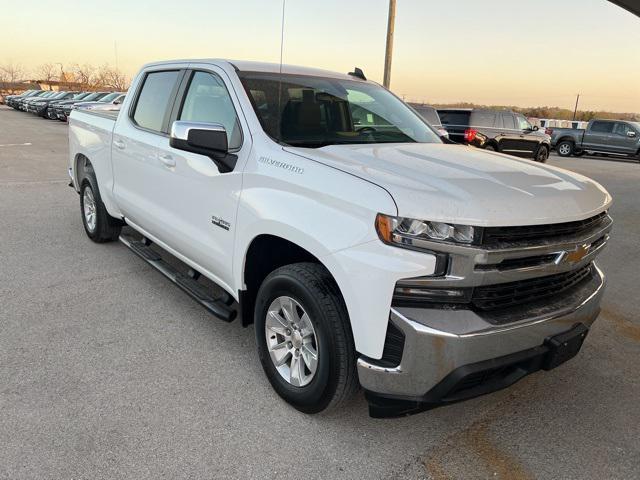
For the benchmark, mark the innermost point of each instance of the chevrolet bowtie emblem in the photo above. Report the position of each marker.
(576, 255)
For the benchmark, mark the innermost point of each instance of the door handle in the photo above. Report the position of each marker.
(119, 144)
(167, 160)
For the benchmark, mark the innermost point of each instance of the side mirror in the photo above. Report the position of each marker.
(535, 128)
(204, 138)
(631, 134)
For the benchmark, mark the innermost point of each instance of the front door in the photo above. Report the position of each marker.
(201, 202)
(624, 138)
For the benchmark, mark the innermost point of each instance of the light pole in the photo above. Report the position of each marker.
(389, 50)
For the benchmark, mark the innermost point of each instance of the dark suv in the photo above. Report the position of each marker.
(498, 130)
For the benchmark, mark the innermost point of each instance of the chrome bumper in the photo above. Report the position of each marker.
(437, 342)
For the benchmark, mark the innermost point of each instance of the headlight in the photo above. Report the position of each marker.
(409, 233)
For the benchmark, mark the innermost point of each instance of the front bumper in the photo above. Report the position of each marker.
(443, 348)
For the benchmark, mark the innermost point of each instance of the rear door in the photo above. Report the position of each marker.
(199, 201)
(139, 174)
(509, 137)
(598, 136)
(624, 138)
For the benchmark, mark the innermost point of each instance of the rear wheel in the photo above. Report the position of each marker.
(304, 338)
(542, 154)
(98, 224)
(491, 147)
(565, 148)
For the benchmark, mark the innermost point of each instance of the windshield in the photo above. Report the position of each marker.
(80, 96)
(108, 98)
(92, 96)
(317, 111)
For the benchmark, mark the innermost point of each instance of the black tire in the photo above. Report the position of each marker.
(107, 228)
(335, 380)
(542, 154)
(491, 147)
(565, 148)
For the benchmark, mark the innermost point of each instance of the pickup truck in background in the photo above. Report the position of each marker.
(365, 251)
(610, 137)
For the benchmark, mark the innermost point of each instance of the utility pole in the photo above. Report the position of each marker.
(389, 51)
(575, 110)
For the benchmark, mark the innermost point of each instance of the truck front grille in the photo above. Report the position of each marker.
(505, 295)
(509, 235)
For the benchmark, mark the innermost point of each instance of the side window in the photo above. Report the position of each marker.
(154, 98)
(483, 119)
(523, 123)
(508, 121)
(207, 100)
(602, 127)
(621, 129)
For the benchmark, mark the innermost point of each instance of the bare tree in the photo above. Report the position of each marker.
(47, 72)
(84, 75)
(10, 73)
(112, 78)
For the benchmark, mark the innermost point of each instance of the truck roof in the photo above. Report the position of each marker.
(250, 66)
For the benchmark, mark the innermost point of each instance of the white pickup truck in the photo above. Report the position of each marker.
(365, 251)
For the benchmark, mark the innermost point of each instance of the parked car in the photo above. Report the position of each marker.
(497, 130)
(610, 137)
(430, 114)
(55, 106)
(110, 102)
(19, 103)
(64, 109)
(8, 98)
(426, 273)
(41, 107)
(25, 104)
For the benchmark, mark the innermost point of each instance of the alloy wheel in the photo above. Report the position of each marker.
(291, 341)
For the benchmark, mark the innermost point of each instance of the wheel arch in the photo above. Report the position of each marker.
(265, 253)
(566, 139)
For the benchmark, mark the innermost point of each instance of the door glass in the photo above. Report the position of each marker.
(208, 100)
(621, 129)
(483, 119)
(154, 99)
(508, 121)
(523, 123)
(602, 127)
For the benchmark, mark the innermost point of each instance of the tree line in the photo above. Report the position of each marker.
(555, 113)
(80, 76)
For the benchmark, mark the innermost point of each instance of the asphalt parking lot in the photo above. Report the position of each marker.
(109, 371)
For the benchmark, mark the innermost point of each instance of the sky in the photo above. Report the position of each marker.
(506, 52)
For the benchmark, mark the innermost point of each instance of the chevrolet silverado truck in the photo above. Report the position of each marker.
(609, 137)
(373, 257)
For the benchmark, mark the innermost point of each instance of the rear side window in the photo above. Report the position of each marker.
(208, 100)
(448, 117)
(483, 119)
(602, 127)
(154, 99)
(508, 121)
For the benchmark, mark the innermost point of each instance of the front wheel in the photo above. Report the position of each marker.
(304, 338)
(542, 154)
(565, 148)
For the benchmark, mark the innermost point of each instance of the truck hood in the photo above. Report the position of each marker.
(466, 185)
